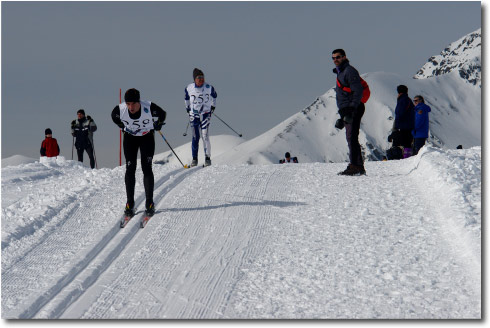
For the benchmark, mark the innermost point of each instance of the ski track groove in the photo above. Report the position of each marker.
(181, 239)
(39, 226)
(117, 240)
(58, 278)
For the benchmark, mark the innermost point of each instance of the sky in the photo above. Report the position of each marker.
(266, 60)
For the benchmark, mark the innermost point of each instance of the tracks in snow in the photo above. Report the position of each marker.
(67, 285)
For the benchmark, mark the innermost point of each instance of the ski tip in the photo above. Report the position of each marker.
(186, 166)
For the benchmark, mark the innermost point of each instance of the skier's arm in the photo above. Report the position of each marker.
(157, 111)
(187, 101)
(91, 124)
(115, 117)
(73, 127)
(214, 95)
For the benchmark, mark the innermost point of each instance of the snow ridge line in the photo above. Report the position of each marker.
(102, 247)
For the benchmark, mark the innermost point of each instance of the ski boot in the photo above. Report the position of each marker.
(353, 170)
(207, 162)
(129, 210)
(194, 162)
(150, 209)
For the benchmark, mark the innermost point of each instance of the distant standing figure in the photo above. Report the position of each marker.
(288, 159)
(83, 129)
(49, 146)
(421, 129)
(404, 116)
(200, 103)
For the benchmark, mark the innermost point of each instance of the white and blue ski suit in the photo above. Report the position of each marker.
(199, 101)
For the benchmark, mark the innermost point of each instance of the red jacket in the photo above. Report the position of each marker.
(50, 147)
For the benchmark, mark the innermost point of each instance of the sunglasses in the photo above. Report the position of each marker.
(200, 77)
(336, 57)
(416, 100)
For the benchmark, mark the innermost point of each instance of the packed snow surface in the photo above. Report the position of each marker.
(246, 241)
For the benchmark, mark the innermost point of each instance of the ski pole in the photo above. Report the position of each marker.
(72, 146)
(95, 157)
(239, 134)
(187, 128)
(172, 149)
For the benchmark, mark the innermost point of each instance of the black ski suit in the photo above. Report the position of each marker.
(146, 145)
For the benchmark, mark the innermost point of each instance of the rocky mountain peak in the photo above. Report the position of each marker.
(463, 56)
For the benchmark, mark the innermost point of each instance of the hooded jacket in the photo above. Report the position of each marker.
(421, 129)
(349, 77)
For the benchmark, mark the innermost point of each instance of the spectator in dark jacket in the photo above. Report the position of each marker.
(404, 116)
(421, 129)
(49, 146)
(351, 109)
(83, 130)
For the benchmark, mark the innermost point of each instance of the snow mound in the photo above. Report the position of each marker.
(16, 160)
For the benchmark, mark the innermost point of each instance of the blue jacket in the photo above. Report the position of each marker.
(404, 113)
(421, 129)
(349, 77)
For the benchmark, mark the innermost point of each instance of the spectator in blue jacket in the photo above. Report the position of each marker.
(420, 131)
(404, 116)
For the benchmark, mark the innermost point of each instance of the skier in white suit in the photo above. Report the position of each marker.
(200, 102)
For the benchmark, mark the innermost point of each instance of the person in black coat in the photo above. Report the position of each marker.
(83, 129)
(404, 116)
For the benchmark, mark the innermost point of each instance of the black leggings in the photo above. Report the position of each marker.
(146, 144)
(90, 153)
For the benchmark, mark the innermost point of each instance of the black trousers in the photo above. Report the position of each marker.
(90, 152)
(352, 136)
(406, 138)
(146, 145)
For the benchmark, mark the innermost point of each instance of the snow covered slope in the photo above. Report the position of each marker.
(246, 241)
(455, 99)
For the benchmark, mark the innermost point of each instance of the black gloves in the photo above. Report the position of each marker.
(158, 125)
(347, 114)
(212, 109)
(339, 124)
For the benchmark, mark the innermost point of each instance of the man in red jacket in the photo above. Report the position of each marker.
(49, 146)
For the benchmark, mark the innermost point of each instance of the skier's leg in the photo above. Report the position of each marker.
(130, 145)
(205, 134)
(90, 152)
(80, 154)
(352, 136)
(195, 137)
(147, 148)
